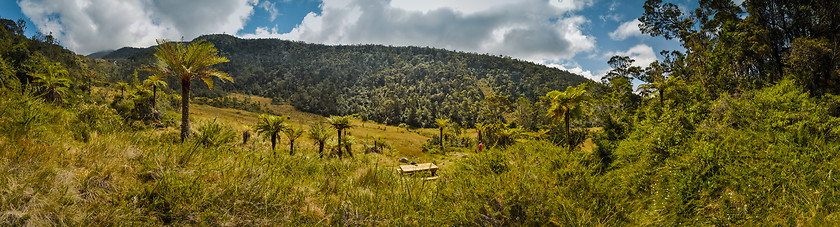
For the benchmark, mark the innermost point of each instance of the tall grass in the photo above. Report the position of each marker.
(671, 170)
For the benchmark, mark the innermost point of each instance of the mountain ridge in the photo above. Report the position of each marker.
(393, 85)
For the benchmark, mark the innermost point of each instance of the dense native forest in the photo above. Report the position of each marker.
(740, 127)
(392, 85)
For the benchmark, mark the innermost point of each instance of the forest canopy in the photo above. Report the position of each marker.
(392, 85)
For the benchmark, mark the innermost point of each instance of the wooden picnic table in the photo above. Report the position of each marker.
(418, 168)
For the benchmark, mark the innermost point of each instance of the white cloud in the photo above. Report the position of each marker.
(271, 8)
(576, 70)
(613, 13)
(570, 5)
(462, 6)
(86, 26)
(533, 30)
(626, 30)
(643, 54)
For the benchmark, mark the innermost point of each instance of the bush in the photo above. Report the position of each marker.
(23, 115)
(212, 134)
(98, 117)
(761, 157)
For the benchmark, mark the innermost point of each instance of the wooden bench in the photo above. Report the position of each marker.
(418, 168)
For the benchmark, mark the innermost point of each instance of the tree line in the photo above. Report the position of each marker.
(392, 85)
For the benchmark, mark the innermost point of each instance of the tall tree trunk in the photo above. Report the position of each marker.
(185, 110)
(291, 147)
(339, 144)
(273, 140)
(321, 149)
(568, 130)
(661, 97)
(154, 96)
(441, 138)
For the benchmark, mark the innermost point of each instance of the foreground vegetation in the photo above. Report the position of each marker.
(130, 176)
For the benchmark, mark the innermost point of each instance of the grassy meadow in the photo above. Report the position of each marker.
(127, 175)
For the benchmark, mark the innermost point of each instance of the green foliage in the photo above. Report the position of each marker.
(187, 62)
(392, 85)
(22, 115)
(269, 126)
(7, 76)
(233, 103)
(730, 47)
(717, 164)
(292, 133)
(320, 135)
(52, 80)
(95, 118)
(566, 104)
(341, 124)
(214, 134)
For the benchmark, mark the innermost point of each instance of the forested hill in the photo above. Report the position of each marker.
(412, 85)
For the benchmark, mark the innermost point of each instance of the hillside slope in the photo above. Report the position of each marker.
(412, 85)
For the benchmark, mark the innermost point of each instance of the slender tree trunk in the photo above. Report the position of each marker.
(291, 147)
(154, 96)
(661, 97)
(321, 149)
(479, 136)
(568, 130)
(339, 144)
(273, 140)
(185, 110)
(441, 138)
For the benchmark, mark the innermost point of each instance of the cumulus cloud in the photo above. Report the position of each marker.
(86, 26)
(643, 54)
(271, 8)
(626, 30)
(533, 30)
(540, 31)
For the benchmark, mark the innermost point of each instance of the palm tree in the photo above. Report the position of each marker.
(659, 83)
(378, 143)
(292, 133)
(348, 142)
(563, 104)
(188, 62)
(319, 134)
(508, 136)
(481, 128)
(270, 125)
(442, 124)
(54, 80)
(154, 84)
(122, 86)
(340, 123)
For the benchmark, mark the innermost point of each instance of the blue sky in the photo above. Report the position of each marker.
(576, 35)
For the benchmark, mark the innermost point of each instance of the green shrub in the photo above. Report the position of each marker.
(213, 134)
(23, 115)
